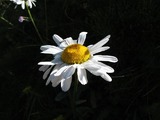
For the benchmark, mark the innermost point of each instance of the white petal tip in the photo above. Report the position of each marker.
(108, 36)
(83, 32)
(56, 36)
(64, 90)
(110, 80)
(45, 52)
(46, 63)
(84, 83)
(106, 77)
(57, 39)
(47, 84)
(115, 59)
(39, 63)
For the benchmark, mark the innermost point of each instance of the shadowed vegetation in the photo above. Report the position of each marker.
(133, 94)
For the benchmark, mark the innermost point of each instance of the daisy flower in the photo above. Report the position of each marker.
(70, 56)
(25, 2)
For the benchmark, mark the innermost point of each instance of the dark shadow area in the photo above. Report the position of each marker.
(134, 26)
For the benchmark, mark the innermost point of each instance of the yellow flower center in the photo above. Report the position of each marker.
(75, 54)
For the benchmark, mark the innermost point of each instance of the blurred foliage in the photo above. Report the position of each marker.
(133, 94)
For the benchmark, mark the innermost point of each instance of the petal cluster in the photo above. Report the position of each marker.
(29, 3)
(58, 72)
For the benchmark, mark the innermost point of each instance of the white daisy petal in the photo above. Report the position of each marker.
(82, 37)
(67, 42)
(82, 76)
(66, 83)
(23, 4)
(49, 79)
(63, 45)
(33, 2)
(63, 67)
(100, 43)
(94, 51)
(105, 67)
(103, 74)
(96, 73)
(68, 72)
(44, 68)
(45, 47)
(55, 80)
(106, 77)
(46, 63)
(107, 58)
(57, 39)
(56, 68)
(89, 46)
(52, 50)
(57, 59)
(47, 72)
(75, 41)
(28, 3)
(89, 65)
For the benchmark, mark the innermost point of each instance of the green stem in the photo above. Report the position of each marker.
(73, 97)
(72, 103)
(32, 20)
(75, 87)
(6, 21)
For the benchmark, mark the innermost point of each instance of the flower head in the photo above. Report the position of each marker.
(25, 2)
(71, 55)
(23, 18)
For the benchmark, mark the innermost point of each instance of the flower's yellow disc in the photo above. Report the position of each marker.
(75, 54)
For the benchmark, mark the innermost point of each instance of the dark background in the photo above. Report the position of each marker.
(134, 93)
